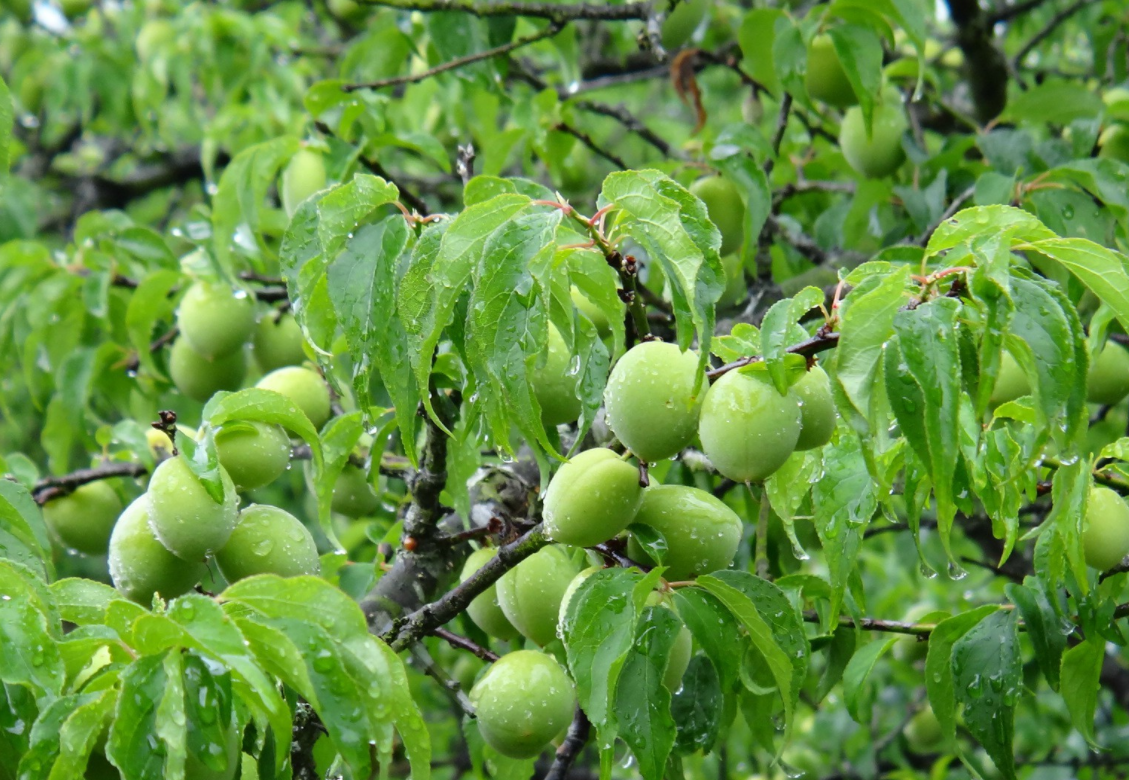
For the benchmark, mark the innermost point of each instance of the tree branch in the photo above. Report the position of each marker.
(552, 11)
(985, 67)
(462, 643)
(55, 487)
(1051, 26)
(1010, 12)
(573, 743)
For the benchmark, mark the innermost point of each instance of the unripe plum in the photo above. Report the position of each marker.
(1105, 535)
(825, 78)
(484, 610)
(679, 658)
(530, 594)
(747, 428)
(817, 409)
(881, 153)
(701, 532)
(215, 320)
(268, 540)
(680, 23)
(591, 499)
(353, 496)
(554, 388)
(726, 209)
(303, 176)
(593, 312)
(278, 343)
(522, 701)
(736, 291)
(1114, 143)
(154, 36)
(304, 387)
(651, 402)
(72, 9)
(200, 378)
(184, 517)
(1108, 381)
(83, 520)
(1011, 382)
(140, 566)
(923, 732)
(254, 453)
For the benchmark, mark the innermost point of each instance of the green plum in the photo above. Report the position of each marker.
(651, 400)
(825, 78)
(591, 498)
(155, 35)
(200, 378)
(304, 387)
(1105, 534)
(530, 594)
(748, 429)
(72, 9)
(679, 658)
(215, 320)
(702, 533)
(278, 343)
(353, 495)
(736, 290)
(254, 453)
(268, 540)
(1114, 143)
(1108, 381)
(188, 522)
(522, 702)
(817, 409)
(140, 566)
(1011, 382)
(726, 209)
(553, 385)
(83, 520)
(681, 23)
(593, 312)
(484, 610)
(923, 732)
(879, 154)
(303, 176)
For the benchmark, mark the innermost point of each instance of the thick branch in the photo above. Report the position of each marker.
(573, 743)
(820, 342)
(985, 66)
(552, 11)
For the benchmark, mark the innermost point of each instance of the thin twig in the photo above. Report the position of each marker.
(778, 135)
(573, 743)
(552, 11)
(462, 643)
(55, 487)
(1051, 26)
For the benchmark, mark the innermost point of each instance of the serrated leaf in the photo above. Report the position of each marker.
(642, 703)
(144, 715)
(986, 220)
(744, 170)
(856, 675)
(23, 534)
(697, 708)
(149, 304)
(1081, 682)
(988, 679)
(780, 328)
(1043, 627)
(743, 341)
(1104, 271)
(81, 601)
(859, 49)
(6, 119)
(939, 681)
(64, 734)
(714, 628)
(31, 656)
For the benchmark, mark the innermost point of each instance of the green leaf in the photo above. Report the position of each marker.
(697, 708)
(1081, 683)
(240, 195)
(642, 703)
(149, 304)
(81, 601)
(859, 49)
(31, 655)
(674, 229)
(64, 735)
(939, 674)
(780, 329)
(210, 710)
(23, 534)
(1104, 271)
(763, 639)
(985, 221)
(17, 710)
(7, 117)
(714, 629)
(1054, 102)
(1042, 625)
(730, 155)
(856, 675)
(988, 679)
(152, 693)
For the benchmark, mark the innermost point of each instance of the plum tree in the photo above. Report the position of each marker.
(303, 176)
(140, 566)
(825, 78)
(521, 702)
(1011, 381)
(554, 385)
(1108, 381)
(880, 153)
(215, 320)
(591, 498)
(679, 658)
(278, 343)
(747, 428)
(485, 610)
(187, 521)
(200, 378)
(701, 532)
(726, 209)
(817, 409)
(304, 387)
(1105, 532)
(254, 453)
(530, 594)
(83, 520)
(268, 540)
(923, 731)
(653, 398)
(680, 23)
(353, 495)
